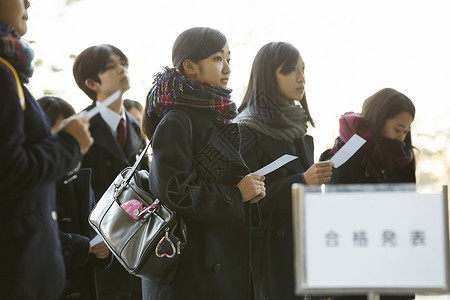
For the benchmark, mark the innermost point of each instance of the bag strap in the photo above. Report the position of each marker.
(119, 187)
(130, 174)
(17, 80)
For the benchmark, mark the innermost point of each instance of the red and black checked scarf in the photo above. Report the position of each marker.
(351, 123)
(171, 88)
(17, 52)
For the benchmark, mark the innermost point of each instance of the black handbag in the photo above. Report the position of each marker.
(149, 240)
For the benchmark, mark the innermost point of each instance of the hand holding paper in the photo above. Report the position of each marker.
(252, 188)
(318, 173)
(105, 103)
(278, 163)
(100, 250)
(78, 126)
(347, 151)
(97, 239)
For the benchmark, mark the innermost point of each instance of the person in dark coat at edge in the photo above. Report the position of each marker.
(386, 157)
(31, 261)
(273, 118)
(100, 71)
(74, 202)
(202, 176)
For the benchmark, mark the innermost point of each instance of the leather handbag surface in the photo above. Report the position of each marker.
(145, 236)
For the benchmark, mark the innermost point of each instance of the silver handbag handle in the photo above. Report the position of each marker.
(119, 188)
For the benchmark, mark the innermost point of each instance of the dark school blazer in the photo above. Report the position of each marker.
(106, 159)
(75, 200)
(32, 159)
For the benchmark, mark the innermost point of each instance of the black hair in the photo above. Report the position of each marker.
(262, 89)
(380, 107)
(91, 62)
(129, 104)
(55, 108)
(196, 43)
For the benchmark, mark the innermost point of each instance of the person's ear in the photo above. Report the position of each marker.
(91, 84)
(190, 68)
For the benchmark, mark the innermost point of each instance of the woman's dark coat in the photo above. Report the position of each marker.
(75, 200)
(361, 169)
(201, 188)
(272, 243)
(31, 262)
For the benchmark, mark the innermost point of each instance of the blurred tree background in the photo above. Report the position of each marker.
(351, 48)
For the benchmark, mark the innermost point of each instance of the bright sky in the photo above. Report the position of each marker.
(351, 48)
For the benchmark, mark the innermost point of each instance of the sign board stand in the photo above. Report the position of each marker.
(370, 239)
(373, 296)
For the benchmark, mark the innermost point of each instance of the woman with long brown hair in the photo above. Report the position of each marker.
(274, 117)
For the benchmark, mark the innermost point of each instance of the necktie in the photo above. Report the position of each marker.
(121, 134)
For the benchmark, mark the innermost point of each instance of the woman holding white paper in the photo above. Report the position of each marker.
(387, 156)
(198, 172)
(273, 124)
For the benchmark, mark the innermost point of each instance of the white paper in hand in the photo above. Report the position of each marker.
(275, 164)
(97, 239)
(347, 151)
(105, 103)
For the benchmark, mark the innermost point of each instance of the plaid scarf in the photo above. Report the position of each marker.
(16, 52)
(171, 88)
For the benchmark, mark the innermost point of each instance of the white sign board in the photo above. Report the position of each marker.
(370, 241)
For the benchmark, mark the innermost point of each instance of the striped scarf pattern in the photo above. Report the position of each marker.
(171, 88)
(17, 52)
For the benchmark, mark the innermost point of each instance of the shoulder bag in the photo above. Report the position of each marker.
(145, 236)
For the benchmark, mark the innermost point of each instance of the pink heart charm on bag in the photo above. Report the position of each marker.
(133, 208)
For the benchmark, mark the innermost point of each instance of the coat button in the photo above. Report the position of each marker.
(227, 198)
(54, 215)
(67, 251)
(280, 233)
(283, 172)
(218, 268)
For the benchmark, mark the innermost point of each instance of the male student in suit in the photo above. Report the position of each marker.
(100, 71)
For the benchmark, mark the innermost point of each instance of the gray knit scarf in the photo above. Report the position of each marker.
(293, 116)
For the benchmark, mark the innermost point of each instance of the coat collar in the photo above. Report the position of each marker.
(103, 137)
